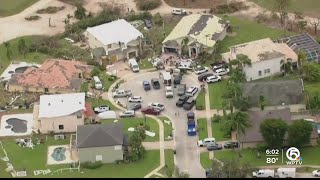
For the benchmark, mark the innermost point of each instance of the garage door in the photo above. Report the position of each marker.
(171, 50)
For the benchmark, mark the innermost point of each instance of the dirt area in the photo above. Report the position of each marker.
(195, 3)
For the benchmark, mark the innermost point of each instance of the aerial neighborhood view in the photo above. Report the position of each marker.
(160, 88)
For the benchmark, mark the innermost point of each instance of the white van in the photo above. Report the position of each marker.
(286, 172)
(178, 12)
(133, 65)
(97, 82)
(263, 173)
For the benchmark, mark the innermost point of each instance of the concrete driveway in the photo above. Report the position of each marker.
(187, 152)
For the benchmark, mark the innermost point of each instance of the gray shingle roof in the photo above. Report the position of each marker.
(275, 92)
(99, 135)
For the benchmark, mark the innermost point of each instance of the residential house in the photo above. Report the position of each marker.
(54, 76)
(101, 142)
(201, 31)
(278, 94)
(99, 55)
(266, 57)
(119, 39)
(59, 113)
(252, 135)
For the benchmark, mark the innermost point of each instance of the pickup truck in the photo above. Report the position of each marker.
(169, 92)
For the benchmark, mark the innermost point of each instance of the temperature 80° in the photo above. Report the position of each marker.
(272, 160)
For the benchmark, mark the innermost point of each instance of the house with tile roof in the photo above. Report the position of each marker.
(101, 142)
(201, 30)
(53, 76)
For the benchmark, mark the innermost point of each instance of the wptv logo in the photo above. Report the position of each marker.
(293, 155)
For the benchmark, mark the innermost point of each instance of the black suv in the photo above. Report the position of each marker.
(177, 79)
(204, 76)
(189, 104)
(231, 144)
(182, 100)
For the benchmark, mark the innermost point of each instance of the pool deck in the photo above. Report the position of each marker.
(8, 132)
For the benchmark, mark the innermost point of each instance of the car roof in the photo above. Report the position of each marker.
(190, 100)
(205, 74)
(146, 82)
(135, 97)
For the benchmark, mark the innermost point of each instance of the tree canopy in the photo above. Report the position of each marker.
(299, 133)
(273, 132)
(229, 169)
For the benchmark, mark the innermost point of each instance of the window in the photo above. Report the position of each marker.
(266, 71)
(259, 72)
(61, 127)
(98, 157)
(109, 45)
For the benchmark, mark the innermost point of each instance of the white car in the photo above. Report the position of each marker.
(121, 93)
(101, 109)
(135, 99)
(213, 78)
(316, 173)
(157, 105)
(206, 141)
(179, 11)
(127, 113)
(222, 71)
(192, 91)
(200, 70)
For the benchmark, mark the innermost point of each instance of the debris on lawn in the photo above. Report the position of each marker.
(148, 133)
(26, 142)
(167, 122)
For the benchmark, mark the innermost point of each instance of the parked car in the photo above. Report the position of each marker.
(204, 76)
(222, 71)
(191, 116)
(177, 79)
(212, 79)
(214, 146)
(206, 141)
(155, 83)
(101, 109)
(200, 70)
(127, 113)
(121, 93)
(157, 106)
(148, 23)
(218, 65)
(231, 144)
(188, 105)
(182, 89)
(168, 91)
(182, 100)
(146, 85)
(192, 91)
(136, 99)
(316, 173)
(150, 110)
(178, 12)
(134, 106)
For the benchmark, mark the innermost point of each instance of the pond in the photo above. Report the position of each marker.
(59, 154)
(18, 125)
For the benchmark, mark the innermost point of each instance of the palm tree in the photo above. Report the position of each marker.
(302, 59)
(241, 61)
(262, 102)
(286, 66)
(9, 52)
(184, 44)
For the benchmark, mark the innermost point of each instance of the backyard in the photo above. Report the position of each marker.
(216, 91)
(11, 7)
(133, 122)
(21, 158)
(202, 128)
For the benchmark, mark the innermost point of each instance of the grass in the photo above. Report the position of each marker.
(312, 88)
(204, 160)
(145, 64)
(167, 127)
(307, 7)
(169, 161)
(216, 91)
(30, 160)
(100, 102)
(200, 101)
(202, 128)
(105, 81)
(217, 133)
(310, 156)
(133, 122)
(11, 7)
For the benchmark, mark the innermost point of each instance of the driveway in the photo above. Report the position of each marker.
(187, 152)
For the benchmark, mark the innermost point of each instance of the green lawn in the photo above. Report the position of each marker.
(204, 160)
(169, 158)
(217, 133)
(307, 7)
(30, 160)
(106, 82)
(132, 122)
(200, 101)
(167, 127)
(216, 91)
(11, 7)
(145, 64)
(100, 102)
(310, 156)
(312, 88)
(202, 128)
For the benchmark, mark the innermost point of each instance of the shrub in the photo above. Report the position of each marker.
(139, 16)
(95, 71)
(50, 10)
(157, 19)
(91, 165)
(199, 107)
(216, 118)
(32, 18)
(146, 5)
(230, 8)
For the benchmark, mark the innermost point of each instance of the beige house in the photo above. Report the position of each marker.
(101, 142)
(253, 137)
(266, 57)
(60, 113)
(119, 39)
(202, 32)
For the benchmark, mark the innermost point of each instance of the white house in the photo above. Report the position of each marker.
(265, 55)
(60, 112)
(119, 39)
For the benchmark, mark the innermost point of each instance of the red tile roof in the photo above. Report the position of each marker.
(89, 111)
(53, 73)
